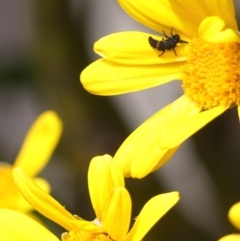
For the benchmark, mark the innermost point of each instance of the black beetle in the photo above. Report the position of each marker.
(169, 43)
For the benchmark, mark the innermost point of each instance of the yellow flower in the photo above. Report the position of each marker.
(15, 226)
(234, 216)
(35, 152)
(207, 65)
(111, 203)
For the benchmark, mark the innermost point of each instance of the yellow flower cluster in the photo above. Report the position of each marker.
(111, 203)
(203, 51)
(20, 193)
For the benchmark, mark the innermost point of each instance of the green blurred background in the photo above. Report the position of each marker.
(44, 45)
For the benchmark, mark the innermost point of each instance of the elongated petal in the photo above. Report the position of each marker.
(117, 220)
(196, 11)
(159, 15)
(20, 202)
(42, 183)
(234, 215)
(103, 175)
(214, 30)
(141, 151)
(152, 211)
(186, 127)
(39, 143)
(41, 200)
(132, 48)
(15, 226)
(156, 158)
(86, 226)
(107, 78)
(164, 159)
(222, 8)
(184, 16)
(230, 237)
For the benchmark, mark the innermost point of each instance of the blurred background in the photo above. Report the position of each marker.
(44, 45)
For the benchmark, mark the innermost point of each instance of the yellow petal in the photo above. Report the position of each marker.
(195, 11)
(159, 15)
(41, 200)
(186, 127)
(222, 8)
(15, 226)
(133, 48)
(8, 190)
(43, 184)
(230, 237)
(154, 158)
(165, 158)
(117, 220)
(234, 215)
(153, 210)
(214, 30)
(107, 78)
(21, 204)
(141, 151)
(103, 175)
(86, 226)
(39, 143)
(183, 16)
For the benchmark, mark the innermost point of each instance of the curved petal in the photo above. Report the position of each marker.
(118, 217)
(86, 226)
(159, 16)
(164, 159)
(133, 48)
(230, 237)
(189, 125)
(184, 16)
(21, 202)
(222, 8)
(154, 158)
(214, 30)
(152, 211)
(41, 200)
(196, 11)
(142, 150)
(103, 175)
(15, 226)
(106, 78)
(39, 143)
(234, 215)
(42, 183)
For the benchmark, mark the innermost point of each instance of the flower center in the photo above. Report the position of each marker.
(85, 236)
(8, 190)
(211, 76)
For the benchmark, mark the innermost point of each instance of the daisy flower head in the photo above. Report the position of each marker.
(111, 203)
(36, 150)
(198, 44)
(234, 217)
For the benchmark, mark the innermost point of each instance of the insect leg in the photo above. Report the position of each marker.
(161, 53)
(165, 35)
(182, 41)
(174, 51)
